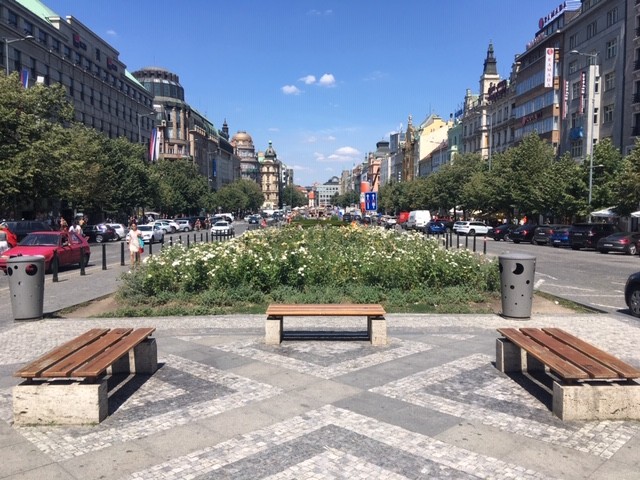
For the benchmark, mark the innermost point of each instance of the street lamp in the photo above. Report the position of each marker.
(594, 72)
(142, 115)
(7, 41)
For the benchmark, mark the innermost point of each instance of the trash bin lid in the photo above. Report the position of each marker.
(26, 259)
(516, 256)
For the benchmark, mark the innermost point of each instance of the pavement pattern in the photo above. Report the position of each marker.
(224, 405)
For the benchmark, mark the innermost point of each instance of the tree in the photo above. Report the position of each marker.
(628, 182)
(346, 199)
(181, 188)
(293, 197)
(239, 196)
(607, 164)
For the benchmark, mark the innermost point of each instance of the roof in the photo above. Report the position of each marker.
(38, 8)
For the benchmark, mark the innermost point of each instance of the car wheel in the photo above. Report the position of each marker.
(634, 302)
(516, 241)
(632, 250)
(603, 251)
(507, 238)
(471, 232)
(556, 246)
(99, 239)
(575, 247)
(539, 243)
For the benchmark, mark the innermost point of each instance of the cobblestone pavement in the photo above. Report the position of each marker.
(430, 404)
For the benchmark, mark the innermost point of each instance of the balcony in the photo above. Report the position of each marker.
(636, 97)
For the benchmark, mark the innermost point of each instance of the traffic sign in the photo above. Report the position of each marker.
(371, 201)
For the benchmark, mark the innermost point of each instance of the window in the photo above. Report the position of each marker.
(608, 113)
(573, 67)
(612, 16)
(592, 29)
(575, 90)
(81, 90)
(609, 81)
(12, 18)
(66, 52)
(574, 120)
(576, 149)
(42, 37)
(28, 28)
(71, 90)
(595, 115)
(573, 41)
(32, 68)
(98, 55)
(55, 45)
(612, 48)
(77, 59)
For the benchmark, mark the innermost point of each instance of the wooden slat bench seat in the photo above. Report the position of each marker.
(589, 383)
(67, 385)
(376, 322)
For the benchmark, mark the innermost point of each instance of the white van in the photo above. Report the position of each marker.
(418, 219)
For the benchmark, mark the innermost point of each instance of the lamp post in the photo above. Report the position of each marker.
(142, 115)
(7, 41)
(594, 72)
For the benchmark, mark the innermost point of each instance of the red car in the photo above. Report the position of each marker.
(69, 248)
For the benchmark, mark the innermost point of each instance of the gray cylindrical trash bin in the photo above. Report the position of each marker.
(26, 286)
(516, 284)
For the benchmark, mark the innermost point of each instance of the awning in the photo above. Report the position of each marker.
(605, 213)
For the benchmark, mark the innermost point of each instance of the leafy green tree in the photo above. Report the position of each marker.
(607, 165)
(181, 188)
(293, 197)
(240, 196)
(627, 189)
(343, 200)
(563, 189)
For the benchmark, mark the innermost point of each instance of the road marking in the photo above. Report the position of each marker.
(545, 275)
(538, 283)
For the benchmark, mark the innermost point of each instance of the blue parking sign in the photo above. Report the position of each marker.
(371, 201)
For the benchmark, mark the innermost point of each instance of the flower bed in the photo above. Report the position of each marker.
(343, 262)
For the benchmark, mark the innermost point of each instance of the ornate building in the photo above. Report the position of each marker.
(409, 153)
(245, 150)
(270, 178)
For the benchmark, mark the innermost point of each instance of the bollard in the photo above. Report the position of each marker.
(150, 245)
(195, 240)
(180, 239)
(466, 241)
(474, 243)
(187, 241)
(201, 236)
(457, 240)
(122, 254)
(54, 266)
(484, 249)
(171, 241)
(82, 272)
(104, 256)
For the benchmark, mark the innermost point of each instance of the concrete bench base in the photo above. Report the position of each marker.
(77, 402)
(616, 400)
(376, 330)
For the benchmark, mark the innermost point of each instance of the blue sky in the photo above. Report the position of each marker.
(323, 80)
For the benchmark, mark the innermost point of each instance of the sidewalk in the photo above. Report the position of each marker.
(223, 404)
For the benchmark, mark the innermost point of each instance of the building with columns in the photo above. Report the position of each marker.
(270, 178)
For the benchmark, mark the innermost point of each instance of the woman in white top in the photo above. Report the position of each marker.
(134, 245)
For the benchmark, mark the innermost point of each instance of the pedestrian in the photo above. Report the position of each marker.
(134, 245)
(76, 228)
(64, 226)
(198, 225)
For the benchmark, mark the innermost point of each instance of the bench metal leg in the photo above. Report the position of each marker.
(508, 356)
(65, 402)
(377, 330)
(273, 330)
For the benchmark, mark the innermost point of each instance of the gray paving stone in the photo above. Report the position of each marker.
(18, 458)
(52, 471)
(114, 462)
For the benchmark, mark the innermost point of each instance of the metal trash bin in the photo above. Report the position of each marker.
(517, 271)
(26, 286)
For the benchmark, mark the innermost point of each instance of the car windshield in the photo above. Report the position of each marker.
(40, 239)
(221, 224)
(144, 228)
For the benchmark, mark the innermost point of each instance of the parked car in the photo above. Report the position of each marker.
(434, 228)
(222, 227)
(632, 294)
(173, 226)
(542, 234)
(21, 228)
(389, 222)
(164, 225)
(150, 233)
(502, 232)
(120, 229)
(184, 224)
(524, 233)
(402, 219)
(624, 242)
(98, 233)
(471, 228)
(586, 235)
(560, 237)
(418, 219)
(69, 248)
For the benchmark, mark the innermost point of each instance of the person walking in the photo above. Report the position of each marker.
(134, 245)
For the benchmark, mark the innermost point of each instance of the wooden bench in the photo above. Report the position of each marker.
(588, 383)
(376, 323)
(67, 385)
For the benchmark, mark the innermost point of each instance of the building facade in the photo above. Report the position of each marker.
(47, 48)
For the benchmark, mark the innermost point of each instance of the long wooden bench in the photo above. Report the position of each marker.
(376, 322)
(588, 383)
(67, 385)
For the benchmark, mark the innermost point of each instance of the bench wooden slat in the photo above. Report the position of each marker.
(35, 368)
(621, 368)
(556, 363)
(595, 369)
(85, 354)
(338, 309)
(100, 363)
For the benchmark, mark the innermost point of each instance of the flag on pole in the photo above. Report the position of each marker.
(24, 77)
(153, 145)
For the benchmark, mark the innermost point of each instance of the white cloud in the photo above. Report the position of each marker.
(112, 33)
(311, 139)
(300, 168)
(273, 129)
(346, 155)
(320, 13)
(327, 80)
(331, 138)
(309, 79)
(291, 90)
(375, 75)
(347, 151)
